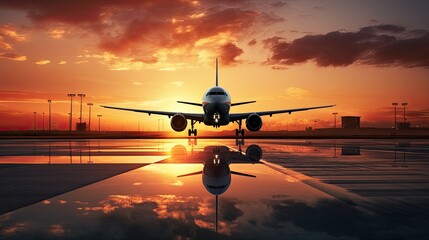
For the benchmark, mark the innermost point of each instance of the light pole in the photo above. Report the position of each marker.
(99, 121)
(404, 104)
(49, 102)
(43, 121)
(335, 119)
(71, 95)
(89, 121)
(394, 106)
(34, 121)
(81, 95)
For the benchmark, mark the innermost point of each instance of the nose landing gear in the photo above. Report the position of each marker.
(216, 118)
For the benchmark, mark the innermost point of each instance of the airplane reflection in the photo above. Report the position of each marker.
(216, 160)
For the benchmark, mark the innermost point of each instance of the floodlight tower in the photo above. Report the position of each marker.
(335, 119)
(99, 121)
(81, 95)
(404, 104)
(71, 95)
(89, 121)
(394, 106)
(34, 121)
(49, 102)
(43, 121)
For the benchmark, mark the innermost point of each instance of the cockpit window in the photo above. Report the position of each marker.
(217, 93)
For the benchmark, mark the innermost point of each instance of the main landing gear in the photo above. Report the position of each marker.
(192, 130)
(239, 131)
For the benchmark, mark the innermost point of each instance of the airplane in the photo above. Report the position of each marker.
(216, 105)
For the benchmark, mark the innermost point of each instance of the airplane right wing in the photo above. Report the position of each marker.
(200, 105)
(193, 116)
(238, 116)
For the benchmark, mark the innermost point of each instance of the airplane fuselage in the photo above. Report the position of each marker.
(216, 106)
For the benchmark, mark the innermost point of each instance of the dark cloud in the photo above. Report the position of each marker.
(278, 4)
(419, 114)
(228, 210)
(252, 42)
(380, 29)
(82, 11)
(318, 8)
(326, 216)
(381, 45)
(271, 18)
(228, 53)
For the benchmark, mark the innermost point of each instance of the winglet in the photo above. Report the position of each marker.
(216, 72)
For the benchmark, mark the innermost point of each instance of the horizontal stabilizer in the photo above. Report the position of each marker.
(241, 103)
(190, 174)
(242, 174)
(191, 103)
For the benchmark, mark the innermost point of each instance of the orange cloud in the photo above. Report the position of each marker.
(13, 56)
(9, 35)
(296, 92)
(169, 31)
(42, 62)
(57, 33)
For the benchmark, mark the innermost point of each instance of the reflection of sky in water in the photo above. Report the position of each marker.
(160, 206)
(152, 203)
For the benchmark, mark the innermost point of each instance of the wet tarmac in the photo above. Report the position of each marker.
(214, 189)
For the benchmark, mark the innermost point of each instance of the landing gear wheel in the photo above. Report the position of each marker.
(239, 131)
(192, 130)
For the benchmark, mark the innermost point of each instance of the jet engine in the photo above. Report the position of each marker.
(178, 122)
(253, 153)
(253, 122)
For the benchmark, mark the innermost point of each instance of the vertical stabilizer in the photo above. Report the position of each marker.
(216, 73)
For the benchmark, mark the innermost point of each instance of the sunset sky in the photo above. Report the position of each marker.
(359, 55)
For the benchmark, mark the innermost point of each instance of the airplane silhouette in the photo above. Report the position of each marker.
(216, 105)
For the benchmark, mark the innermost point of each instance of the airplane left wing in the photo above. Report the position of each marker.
(238, 116)
(193, 116)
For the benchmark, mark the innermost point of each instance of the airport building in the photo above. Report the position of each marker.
(403, 125)
(350, 122)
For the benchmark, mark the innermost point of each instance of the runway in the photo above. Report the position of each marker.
(278, 189)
